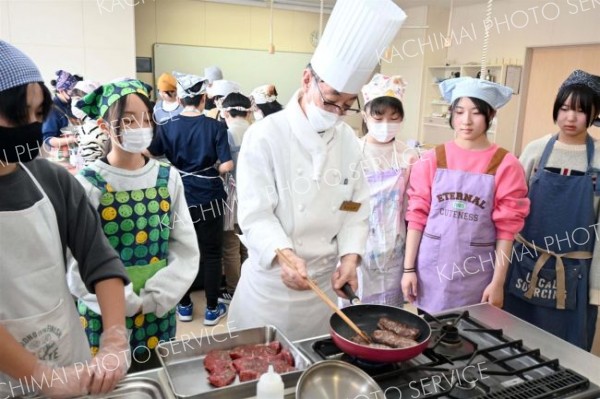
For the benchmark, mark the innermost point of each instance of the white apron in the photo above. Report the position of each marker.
(35, 304)
(381, 267)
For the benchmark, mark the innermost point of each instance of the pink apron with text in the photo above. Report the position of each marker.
(456, 256)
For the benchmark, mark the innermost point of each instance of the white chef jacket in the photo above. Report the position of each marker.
(282, 206)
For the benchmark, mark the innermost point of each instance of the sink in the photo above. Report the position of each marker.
(138, 388)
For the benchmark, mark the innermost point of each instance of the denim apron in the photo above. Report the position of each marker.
(548, 280)
(456, 255)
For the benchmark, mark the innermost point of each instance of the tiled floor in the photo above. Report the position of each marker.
(197, 328)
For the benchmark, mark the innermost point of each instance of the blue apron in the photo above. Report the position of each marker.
(548, 282)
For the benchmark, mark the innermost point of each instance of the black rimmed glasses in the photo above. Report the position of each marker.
(333, 106)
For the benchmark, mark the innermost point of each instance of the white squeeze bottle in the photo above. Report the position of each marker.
(270, 385)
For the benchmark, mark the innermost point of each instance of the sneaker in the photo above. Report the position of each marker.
(212, 316)
(225, 297)
(185, 313)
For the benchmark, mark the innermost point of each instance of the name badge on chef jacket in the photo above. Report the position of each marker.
(350, 206)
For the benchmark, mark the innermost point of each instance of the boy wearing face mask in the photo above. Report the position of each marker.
(386, 166)
(142, 205)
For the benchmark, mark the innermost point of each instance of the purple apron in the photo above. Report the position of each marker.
(456, 256)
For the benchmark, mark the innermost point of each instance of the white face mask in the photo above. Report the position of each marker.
(258, 115)
(383, 131)
(169, 107)
(77, 113)
(135, 140)
(320, 119)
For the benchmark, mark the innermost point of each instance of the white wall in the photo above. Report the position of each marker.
(409, 55)
(517, 24)
(93, 38)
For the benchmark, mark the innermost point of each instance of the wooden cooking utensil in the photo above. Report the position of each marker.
(326, 299)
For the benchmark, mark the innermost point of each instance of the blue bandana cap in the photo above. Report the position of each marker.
(496, 95)
(16, 69)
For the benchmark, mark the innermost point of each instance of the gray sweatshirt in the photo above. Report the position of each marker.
(78, 222)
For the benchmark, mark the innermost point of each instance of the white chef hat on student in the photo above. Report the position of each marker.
(213, 73)
(222, 88)
(186, 81)
(492, 93)
(264, 94)
(356, 36)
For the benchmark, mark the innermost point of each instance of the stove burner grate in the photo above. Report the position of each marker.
(551, 386)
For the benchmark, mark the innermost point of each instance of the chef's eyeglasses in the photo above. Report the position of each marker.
(340, 110)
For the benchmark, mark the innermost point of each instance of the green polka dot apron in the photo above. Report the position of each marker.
(136, 224)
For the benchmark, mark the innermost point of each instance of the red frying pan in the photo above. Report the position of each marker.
(366, 318)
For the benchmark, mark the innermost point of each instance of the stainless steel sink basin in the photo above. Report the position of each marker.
(138, 388)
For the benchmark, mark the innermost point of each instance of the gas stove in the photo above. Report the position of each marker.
(467, 358)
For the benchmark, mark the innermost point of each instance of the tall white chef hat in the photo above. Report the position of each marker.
(357, 34)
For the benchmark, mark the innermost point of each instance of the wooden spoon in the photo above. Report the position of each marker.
(326, 299)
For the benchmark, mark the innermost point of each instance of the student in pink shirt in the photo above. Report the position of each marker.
(467, 201)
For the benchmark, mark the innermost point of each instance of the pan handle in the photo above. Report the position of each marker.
(354, 299)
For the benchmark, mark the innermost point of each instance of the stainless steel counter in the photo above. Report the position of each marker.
(550, 346)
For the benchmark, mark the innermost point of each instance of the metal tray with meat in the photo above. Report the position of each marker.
(228, 364)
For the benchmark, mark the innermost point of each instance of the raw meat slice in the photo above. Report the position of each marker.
(275, 345)
(249, 375)
(250, 363)
(216, 359)
(255, 350)
(396, 327)
(260, 365)
(287, 357)
(222, 377)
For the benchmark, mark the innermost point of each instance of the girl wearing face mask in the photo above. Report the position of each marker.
(562, 172)
(386, 165)
(467, 201)
(142, 207)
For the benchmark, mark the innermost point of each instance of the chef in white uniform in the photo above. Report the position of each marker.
(299, 188)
